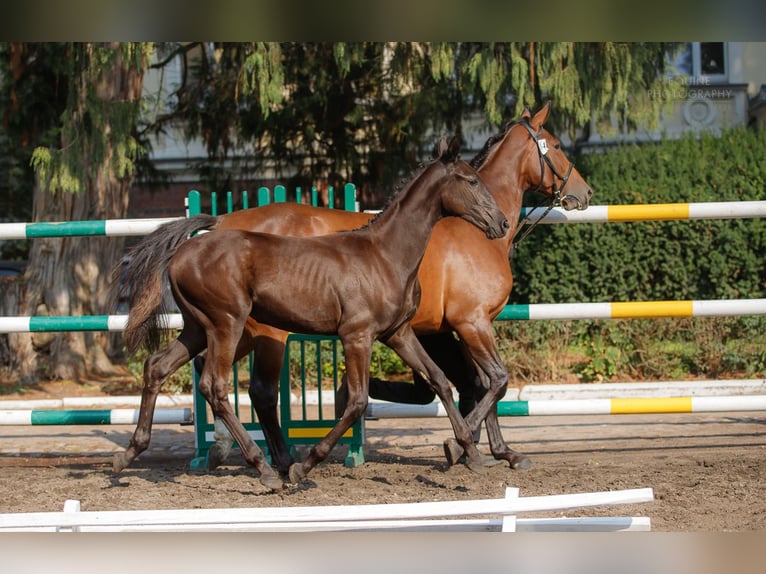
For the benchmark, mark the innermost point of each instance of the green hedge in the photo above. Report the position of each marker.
(656, 260)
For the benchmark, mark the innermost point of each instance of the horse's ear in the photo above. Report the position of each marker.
(441, 147)
(525, 113)
(452, 151)
(538, 121)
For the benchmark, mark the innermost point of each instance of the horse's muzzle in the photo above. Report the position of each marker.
(498, 229)
(570, 202)
(492, 222)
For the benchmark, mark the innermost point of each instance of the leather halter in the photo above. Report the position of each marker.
(555, 201)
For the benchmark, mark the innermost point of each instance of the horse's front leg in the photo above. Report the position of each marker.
(406, 345)
(499, 448)
(358, 352)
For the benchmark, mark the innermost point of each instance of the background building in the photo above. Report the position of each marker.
(714, 86)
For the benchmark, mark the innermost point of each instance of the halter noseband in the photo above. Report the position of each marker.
(542, 152)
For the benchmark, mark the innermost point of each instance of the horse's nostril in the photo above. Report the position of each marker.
(506, 225)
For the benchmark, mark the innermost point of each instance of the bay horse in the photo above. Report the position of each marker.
(465, 279)
(361, 285)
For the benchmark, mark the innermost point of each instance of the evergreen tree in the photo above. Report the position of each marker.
(83, 173)
(368, 112)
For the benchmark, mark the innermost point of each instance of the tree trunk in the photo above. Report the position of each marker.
(70, 276)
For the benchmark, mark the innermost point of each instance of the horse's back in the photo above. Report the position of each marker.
(293, 219)
(292, 283)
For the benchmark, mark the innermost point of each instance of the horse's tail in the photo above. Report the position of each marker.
(141, 279)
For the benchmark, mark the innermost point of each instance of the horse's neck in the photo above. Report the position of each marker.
(506, 183)
(406, 224)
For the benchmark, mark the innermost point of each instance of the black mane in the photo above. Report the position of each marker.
(482, 156)
(404, 183)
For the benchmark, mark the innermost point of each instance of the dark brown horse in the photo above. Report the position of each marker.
(361, 285)
(465, 278)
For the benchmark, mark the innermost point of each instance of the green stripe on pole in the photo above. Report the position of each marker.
(514, 313)
(513, 408)
(85, 323)
(66, 229)
(95, 417)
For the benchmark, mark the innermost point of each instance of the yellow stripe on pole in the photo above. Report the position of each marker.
(658, 212)
(634, 309)
(650, 405)
(314, 432)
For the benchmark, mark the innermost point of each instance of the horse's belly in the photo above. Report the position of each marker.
(296, 313)
(424, 323)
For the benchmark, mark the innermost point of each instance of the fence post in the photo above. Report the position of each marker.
(349, 198)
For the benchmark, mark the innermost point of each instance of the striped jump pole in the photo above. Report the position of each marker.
(594, 214)
(621, 406)
(96, 228)
(633, 310)
(84, 323)
(651, 212)
(91, 417)
(542, 311)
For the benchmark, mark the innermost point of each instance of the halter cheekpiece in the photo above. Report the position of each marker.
(555, 201)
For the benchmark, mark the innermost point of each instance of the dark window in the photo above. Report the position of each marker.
(712, 59)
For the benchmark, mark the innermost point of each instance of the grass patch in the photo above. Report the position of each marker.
(552, 352)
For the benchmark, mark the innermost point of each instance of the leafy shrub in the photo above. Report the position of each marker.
(707, 259)
(681, 260)
(178, 382)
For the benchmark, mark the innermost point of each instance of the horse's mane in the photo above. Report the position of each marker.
(483, 154)
(403, 184)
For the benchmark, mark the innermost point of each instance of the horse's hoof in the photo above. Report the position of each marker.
(272, 482)
(475, 464)
(296, 473)
(453, 451)
(486, 461)
(284, 469)
(215, 457)
(119, 462)
(520, 462)
(490, 461)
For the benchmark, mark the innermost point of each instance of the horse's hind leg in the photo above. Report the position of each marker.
(480, 343)
(220, 450)
(412, 352)
(214, 386)
(264, 394)
(156, 369)
(268, 345)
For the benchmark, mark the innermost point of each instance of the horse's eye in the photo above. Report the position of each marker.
(473, 182)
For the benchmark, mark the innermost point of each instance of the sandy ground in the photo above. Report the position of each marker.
(707, 470)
